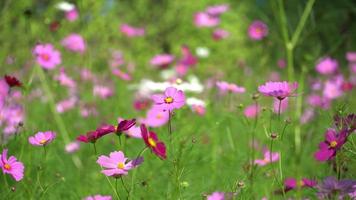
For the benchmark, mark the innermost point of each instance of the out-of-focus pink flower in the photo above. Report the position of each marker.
(131, 31)
(347, 86)
(102, 91)
(219, 34)
(327, 66)
(116, 164)
(4, 91)
(98, 197)
(74, 42)
(252, 111)
(72, 147)
(291, 183)
(203, 19)
(267, 158)
(156, 117)
(199, 109)
(284, 105)
(216, 196)
(87, 75)
(281, 63)
(162, 60)
(42, 138)
(307, 116)
(187, 61)
(134, 132)
(117, 59)
(66, 104)
(72, 15)
(65, 80)
(274, 76)
(47, 56)
(351, 57)
(170, 100)
(217, 10)
(11, 116)
(332, 88)
(11, 166)
(229, 87)
(141, 103)
(257, 30)
(122, 75)
(87, 110)
(279, 90)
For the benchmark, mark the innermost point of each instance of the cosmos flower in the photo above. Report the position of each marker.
(229, 87)
(12, 81)
(66, 104)
(216, 196)
(134, 132)
(267, 158)
(351, 56)
(219, 34)
(279, 90)
(291, 183)
(217, 10)
(152, 142)
(98, 197)
(196, 105)
(331, 188)
(122, 75)
(72, 15)
(252, 111)
(103, 91)
(327, 66)
(332, 143)
(74, 42)
(257, 30)
(162, 60)
(11, 166)
(332, 88)
(284, 105)
(170, 100)
(47, 56)
(203, 19)
(115, 165)
(64, 79)
(156, 117)
(42, 138)
(72, 147)
(131, 31)
(347, 122)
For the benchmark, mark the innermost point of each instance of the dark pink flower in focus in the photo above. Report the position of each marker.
(11, 166)
(257, 30)
(74, 42)
(47, 56)
(332, 143)
(279, 90)
(170, 100)
(131, 31)
(152, 142)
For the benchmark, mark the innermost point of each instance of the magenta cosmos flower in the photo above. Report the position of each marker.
(152, 142)
(203, 19)
(98, 197)
(217, 10)
(115, 165)
(257, 30)
(72, 14)
(267, 158)
(216, 196)
(42, 138)
(74, 42)
(332, 143)
(170, 100)
(252, 111)
(47, 56)
(279, 90)
(327, 66)
(11, 166)
(229, 87)
(292, 183)
(162, 60)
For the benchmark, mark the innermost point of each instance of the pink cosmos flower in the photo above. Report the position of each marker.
(115, 165)
(156, 117)
(216, 196)
(72, 147)
(217, 9)
(131, 31)
(307, 116)
(87, 75)
(64, 79)
(199, 109)
(11, 166)
(170, 100)
(291, 183)
(284, 105)
(257, 30)
(219, 34)
(122, 75)
(66, 104)
(281, 63)
(74, 42)
(279, 90)
(98, 197)
(187, 61)
(203, 19)
(327, 66)
(351, 57)
(117, 59)
(332, 88)
(132, 131)
(229, 87)
(252, 111)
(72, 15)
(11, 116)
(103, 91)
(162, 60)
(47, 56)
(267, 158)
(42, 138)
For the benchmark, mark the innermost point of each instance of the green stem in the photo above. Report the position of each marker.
(127, 190)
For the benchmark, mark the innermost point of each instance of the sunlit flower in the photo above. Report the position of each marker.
(47, 56)
(115, 165)
(257, 30)
(11, 166)
(170, 100)
(152, 142)
(42, 138)
(279, 90)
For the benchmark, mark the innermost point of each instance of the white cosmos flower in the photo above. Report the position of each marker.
(65, 6)
(202, 52)
(195, 101)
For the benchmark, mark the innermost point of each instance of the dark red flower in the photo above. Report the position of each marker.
(54, 26)
(12, 81)
(125, 125)
(153, 143)
(92, 136)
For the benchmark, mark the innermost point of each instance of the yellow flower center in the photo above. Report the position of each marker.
(152, 142)
(7, 166)
(300, 183)
(333, 144)
(121, 165)
(168, 100)
(43, 141)
(45, 56)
